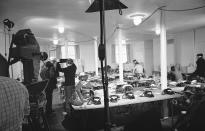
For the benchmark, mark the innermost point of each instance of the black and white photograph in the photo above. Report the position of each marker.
(102, 65)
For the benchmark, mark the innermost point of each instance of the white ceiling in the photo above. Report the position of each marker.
(44, 16)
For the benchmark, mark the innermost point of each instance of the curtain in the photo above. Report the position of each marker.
(113, 53)
(129, 59)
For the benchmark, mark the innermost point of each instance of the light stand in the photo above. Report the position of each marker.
(5, 40)
(9, 24)
(102, 5)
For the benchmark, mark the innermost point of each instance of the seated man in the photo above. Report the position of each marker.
(82, 83)
(138, 69)
(175, 74)
(171, 75)
(14, 99)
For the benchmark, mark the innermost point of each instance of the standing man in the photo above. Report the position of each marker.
(50, 75)
(200, 66)
(138, 69)
(69, 86)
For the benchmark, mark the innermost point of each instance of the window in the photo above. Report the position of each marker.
(63, 52)
(52, 54)
(121, 53)
(68, 51)
(71, 52)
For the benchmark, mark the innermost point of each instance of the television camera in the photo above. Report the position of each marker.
(25, 48)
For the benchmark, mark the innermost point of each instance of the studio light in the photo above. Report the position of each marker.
(61, 29)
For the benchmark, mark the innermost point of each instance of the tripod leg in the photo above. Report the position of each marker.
(45, 122)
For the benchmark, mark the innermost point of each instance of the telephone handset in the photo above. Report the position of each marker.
(128, 95)
(87, 94)
(147, 93)
(168, 91)
(114, 98)
(94, 100)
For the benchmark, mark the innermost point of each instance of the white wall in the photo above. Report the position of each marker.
(87, 56)
(17, 68)
(171, 53)
(199, 44)
(138, 51)
(185, 48)
(148, 57)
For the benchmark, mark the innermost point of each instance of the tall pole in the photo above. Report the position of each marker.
(96, 55)
(163, 51)
(102, 56)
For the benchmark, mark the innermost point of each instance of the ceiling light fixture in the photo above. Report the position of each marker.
(137, 19)
(61, 29)
(55, 41)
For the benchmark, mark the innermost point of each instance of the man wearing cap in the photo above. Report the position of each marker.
(200, 68)
(69, 74)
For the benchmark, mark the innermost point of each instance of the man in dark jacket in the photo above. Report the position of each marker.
(50, 75)
(69, 86)
(200, 69)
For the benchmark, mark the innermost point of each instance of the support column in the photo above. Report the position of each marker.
(120, 57)
(96, 55)
(163, 51)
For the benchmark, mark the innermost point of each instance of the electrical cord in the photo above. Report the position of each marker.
(5, 40)
(185, 9)
(81, 41)
(152, 14)
(161, 8)
(109, 37)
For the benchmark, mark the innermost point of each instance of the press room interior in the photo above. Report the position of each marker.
(64, 30)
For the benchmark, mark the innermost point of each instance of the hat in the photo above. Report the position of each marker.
(200, 54)
(70, 60)
(48, 64)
